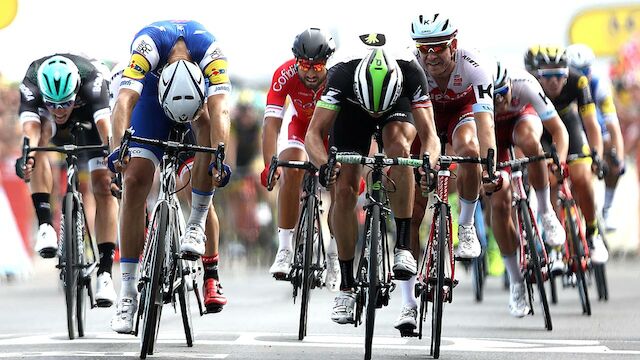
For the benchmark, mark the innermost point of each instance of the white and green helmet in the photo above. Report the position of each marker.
(377, 81)
(58, 79)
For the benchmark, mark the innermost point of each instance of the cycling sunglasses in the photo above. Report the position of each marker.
(551, 73)
(62, 105)
(433, 48)
(306, 65)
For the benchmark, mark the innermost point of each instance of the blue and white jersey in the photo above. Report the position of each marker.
(152, 45)
(600, 87)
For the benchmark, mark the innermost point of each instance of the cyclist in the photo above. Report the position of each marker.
(581, 58)
(565, 88)
(460, 85)
(376, 90)
(56, 92)
(521, 112)
(173, 46)
(302, 79)
(213, 299)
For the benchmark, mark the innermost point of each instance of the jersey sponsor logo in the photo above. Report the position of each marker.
(583, 82)
(216, 72)
(144, 48)
(26, 92)
(482, 91)
(220, 88)
(470, 61)
(216, 53)
(97, 84)
(138, 67)
(457, 80)
(330, 96)
(544, 98)
(285, 75)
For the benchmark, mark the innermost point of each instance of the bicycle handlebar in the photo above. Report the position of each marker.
(168, 145)
(294, 164)
(523, 161)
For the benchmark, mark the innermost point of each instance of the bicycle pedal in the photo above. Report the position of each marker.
(465, 261)
(281, 277)
(213, 309)
(48, 253)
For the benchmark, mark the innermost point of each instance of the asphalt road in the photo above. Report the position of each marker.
(260, 322)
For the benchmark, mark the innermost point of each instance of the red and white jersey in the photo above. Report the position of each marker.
(470, 84)
(526, 90)
(286, 82)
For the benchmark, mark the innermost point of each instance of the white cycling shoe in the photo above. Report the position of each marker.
(517, 302)
(46, 241)
(105, 292)
(122, 321)
(553, 231)
(468, 243)
(193, 240)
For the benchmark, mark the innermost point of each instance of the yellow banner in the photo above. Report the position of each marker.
(605, 29)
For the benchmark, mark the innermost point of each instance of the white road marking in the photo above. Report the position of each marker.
(86, 354)
(317, 341)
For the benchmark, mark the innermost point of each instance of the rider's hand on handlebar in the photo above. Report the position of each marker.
(427, 182)
(491, 184)
(265, 174)
(113, 161)
(24, 170)
(327, 180)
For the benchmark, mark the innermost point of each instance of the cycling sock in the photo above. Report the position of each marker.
(467, 210)
(43, 207)
(200, 201)
(608, 198)
(333, 246)
(513, 268)
(403, 240)
(285, 236)
(107, 252)
(408, 292)
(129, 270)
(210, 267)
(544, 200)
(347, 283)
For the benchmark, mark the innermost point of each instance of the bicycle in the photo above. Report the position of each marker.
(309, 261)
(436, 277)
(534, 262)
(164, 272)
(78, 259)
(576, 248)
(373, 274)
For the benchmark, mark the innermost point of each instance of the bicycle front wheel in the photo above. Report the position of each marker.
(533, 240)
(184, 297)
(84, 280)
(308, 232)
(373, 288)
(152, 271)
(70, 273)
(438, 292)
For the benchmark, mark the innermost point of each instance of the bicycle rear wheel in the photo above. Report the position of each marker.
(600, 274)
(477, 275)
(152, 271)
(183, 271)
(577, 256)
(373, 288)
(70, 273)
(533, 240)
(438, 291)
(307, 232)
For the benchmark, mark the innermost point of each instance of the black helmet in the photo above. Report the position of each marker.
(530, 61)
(313, 44)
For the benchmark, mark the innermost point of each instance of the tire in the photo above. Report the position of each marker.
(83, 282)
(600, 274)
(554, 289)
(373, 288)
(532, 241)
(438, 293)
(69, 271)
(308, 233)
(477, 276)
(153, 263)
(182, 290)
(577, 255)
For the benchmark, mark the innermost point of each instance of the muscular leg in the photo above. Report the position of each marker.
(106, 215)
(465, 143)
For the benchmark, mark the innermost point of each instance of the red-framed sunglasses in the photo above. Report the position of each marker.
(433, 48)
(306, 65)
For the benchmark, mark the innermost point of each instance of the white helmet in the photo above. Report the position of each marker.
(580, 56)
(377, 81)
(181, 91)
(434, 27)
